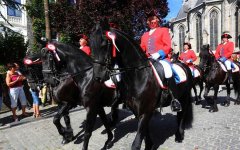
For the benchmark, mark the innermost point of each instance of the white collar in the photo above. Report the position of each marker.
(151, 31)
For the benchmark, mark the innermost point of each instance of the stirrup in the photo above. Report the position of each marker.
(177, 106)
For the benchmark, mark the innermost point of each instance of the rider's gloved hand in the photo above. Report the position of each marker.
(189, 61)
(155, 56)
(222, 59)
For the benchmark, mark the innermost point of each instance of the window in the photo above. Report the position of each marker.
(213, 29)
(236, 28)
(14, 12)
(198, 32)
(181, 38)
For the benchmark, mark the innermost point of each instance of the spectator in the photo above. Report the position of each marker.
(34, 91)
(83, 44)
(14, 82)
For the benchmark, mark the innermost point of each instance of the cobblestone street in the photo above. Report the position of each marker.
(210, 131)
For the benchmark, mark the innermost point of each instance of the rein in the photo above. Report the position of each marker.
(65, 75)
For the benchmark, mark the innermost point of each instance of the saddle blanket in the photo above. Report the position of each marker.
(195, 71)
(178, 73)
(234, 67)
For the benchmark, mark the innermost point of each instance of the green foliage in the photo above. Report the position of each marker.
(3, 69)
(35, 10)
(80, 18)
(12, 46)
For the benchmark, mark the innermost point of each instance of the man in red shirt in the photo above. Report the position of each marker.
(83, 44)
(224, 52)
(156, 43)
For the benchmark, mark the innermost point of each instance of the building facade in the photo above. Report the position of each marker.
(203, 22)
(17, 18)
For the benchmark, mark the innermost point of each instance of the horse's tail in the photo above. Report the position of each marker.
(188, 116)
(236, 85)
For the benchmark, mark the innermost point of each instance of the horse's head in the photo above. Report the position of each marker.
(50, 60)
(206, 57)
(101, 51)
(174, 57)
(33, 68)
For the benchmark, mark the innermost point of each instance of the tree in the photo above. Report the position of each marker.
(12, 46)
(80, 18)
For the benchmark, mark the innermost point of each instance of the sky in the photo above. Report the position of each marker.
(174, 6)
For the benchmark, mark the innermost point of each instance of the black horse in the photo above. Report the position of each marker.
(73, 69)
(214, 76)
(196, 81)
(33, 72)
(138, 86)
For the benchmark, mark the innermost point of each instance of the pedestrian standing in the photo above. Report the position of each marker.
(14, 82)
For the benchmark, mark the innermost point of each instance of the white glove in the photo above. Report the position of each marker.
(189, 61)
(155, 55)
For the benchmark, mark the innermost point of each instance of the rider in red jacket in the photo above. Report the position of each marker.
(224, 52)
(188, 56)
(83, 44)
(156, 43)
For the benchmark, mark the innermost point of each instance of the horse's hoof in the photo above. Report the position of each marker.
(178, 140)
(64, 141)
(226, 104)
(197, 102)
(213, 110)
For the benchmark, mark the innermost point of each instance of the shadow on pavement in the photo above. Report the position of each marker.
(45, 112)
(79, 137)
(161, 128)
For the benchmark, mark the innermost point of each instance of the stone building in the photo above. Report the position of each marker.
(17, 18)
(203, 22)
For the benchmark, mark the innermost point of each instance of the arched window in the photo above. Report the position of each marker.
(181, 38)
(213, 29)
(198, 32)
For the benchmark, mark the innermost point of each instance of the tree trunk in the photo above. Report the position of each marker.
(47, 22)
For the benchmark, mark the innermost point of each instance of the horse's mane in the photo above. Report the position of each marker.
(132, 42)
(71, 52)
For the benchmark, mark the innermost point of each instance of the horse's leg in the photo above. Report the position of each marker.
(200, 83)
(227, 101)
(143, 126)
(197, 101)
(104, 119)
(69, 131)
(206, 91)
(56, 121)
(114, 113)
(214, 107)
(90, 122)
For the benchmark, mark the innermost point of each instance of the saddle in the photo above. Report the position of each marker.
(234, 66)
(160, 72)
(195, 71)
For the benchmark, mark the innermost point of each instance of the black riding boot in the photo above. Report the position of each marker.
(175, 104)
(229, 72)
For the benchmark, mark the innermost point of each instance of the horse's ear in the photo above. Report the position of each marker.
(105, 24)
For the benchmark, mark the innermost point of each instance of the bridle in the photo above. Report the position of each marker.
(111, 56)
(54, 72)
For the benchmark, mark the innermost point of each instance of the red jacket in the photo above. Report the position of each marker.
(158, 40)
(190, 54)
(224, 50)
(86, 49)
